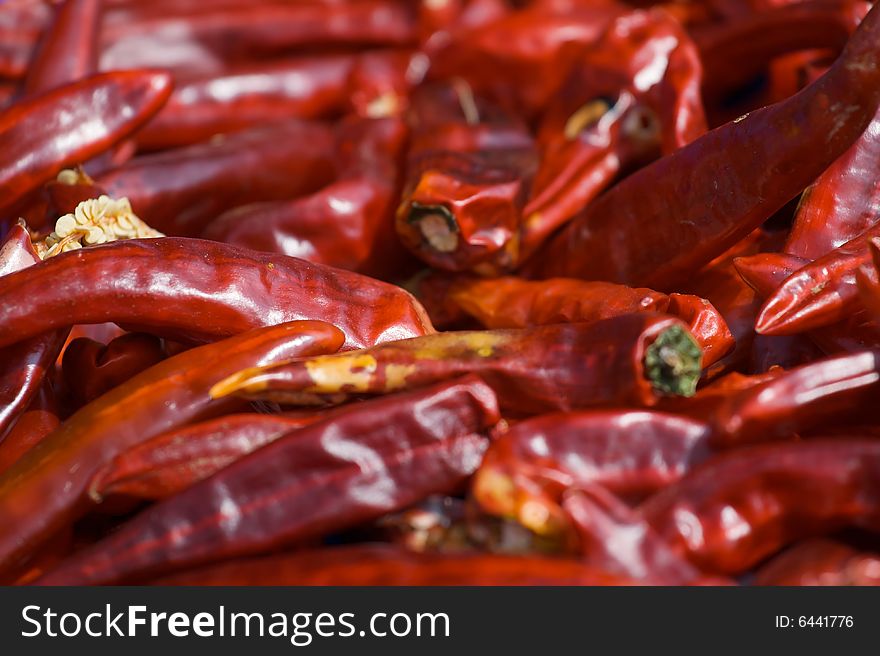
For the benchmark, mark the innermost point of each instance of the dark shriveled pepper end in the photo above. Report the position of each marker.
(673, 363)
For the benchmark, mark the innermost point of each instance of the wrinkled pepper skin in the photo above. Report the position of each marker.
(48, 488)
(821, 293)
(754, 40)
(180, 191)
(739, 508)
(69, 49)
(607, 118)
(615, 539)
(693, 213)
(821, 562)
(36, 138)
(169, 286)
(346, 224)
(167, 464)
(349, 468)
(91, 368)
(248, 96)
(386, 565)
(35, 423)
(23, 365)
(626, 360)
(631, 453)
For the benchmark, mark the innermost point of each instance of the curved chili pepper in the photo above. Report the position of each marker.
(69, 189)
(167, 464)
(23, 365)
(248, 96)
(91, 368)
(738, 508)
(633, 94)
(386, 565)
(821, 562)
(821, 293)
(706, 325)
(37, 139)
(199, 290)
(69, 48)
(35, 423)
(353, 466)
(631, 453)
(348, 223)
(180, 191)
(48, 487)
(755, 39)
(632, 359)
(615, 539)
(380, 81)
(694, 212)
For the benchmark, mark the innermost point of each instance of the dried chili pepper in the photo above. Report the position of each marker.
(714, 191)
(629, 452)
(41, 136)
(47, 488)
(248, 96)
(167, 464)
(35, 423)
(180, 191)
(821, 562)
(380, 82)
(736, 509)
(353, 466)
(632, 359)
(198, 290)
(867, 279)
(69, 49)
(385, 565)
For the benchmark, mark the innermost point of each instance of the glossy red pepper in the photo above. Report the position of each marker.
(739, 508)
(631, 453)
(180, 191)
(671, 217)
(161, 285)
(633, 95)
(35, 423)
(632, 359)
(386, 565)
(48, 487)
(37, 139)
(821, 562)
(868, 280)
(165, 465)
(68, 51)
(351, 467)
(91, 368)
(248, 96)
(359, 206)
(380, 82)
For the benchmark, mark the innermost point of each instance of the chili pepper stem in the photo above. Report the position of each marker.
(437, 225)
(673, 363)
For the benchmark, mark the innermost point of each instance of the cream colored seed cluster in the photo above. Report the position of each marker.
(95, 221)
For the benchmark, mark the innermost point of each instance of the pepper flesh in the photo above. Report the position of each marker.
(353, 466)
(821, 562)
(47, 488)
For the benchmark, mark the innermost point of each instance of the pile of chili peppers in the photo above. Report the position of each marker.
(434, 292)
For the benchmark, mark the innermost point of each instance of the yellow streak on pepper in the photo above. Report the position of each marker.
(481, 342)
(396, 374)
(331, 374)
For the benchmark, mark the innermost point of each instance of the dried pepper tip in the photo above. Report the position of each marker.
(437, 225)
(673, 363)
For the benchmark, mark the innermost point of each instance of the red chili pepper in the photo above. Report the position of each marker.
(91, 368)
(68, 51)
(631, 453)
(821, 562)
(168, 464)
(867, 278)
(353, 466)
(68, 190)
(248, 96)
(385, 565)
(628, 360)
(360, 205)
(47, 489)
(35, 423)
(380, 82)
(36, 138)
(161, 285)
(704, 197)
(706, 325)
(180, 191)
(739, 508)
(633, 94)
